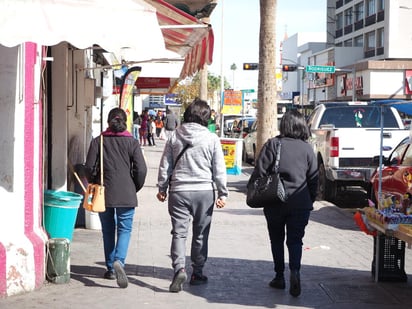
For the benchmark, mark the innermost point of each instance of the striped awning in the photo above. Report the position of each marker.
(185, 35)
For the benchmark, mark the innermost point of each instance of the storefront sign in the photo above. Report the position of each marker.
(232, 102)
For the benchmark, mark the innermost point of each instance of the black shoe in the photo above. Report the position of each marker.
(278, 283)
(179, 278)
(121, 277)
(294, 283)
(198, 279)
(109, 275)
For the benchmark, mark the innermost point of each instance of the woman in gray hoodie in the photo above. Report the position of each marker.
(191, 166)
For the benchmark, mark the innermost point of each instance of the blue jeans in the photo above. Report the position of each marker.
(295, 221)
(120, 220)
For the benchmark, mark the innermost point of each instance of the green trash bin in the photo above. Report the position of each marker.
(58, 260)
(60, 212)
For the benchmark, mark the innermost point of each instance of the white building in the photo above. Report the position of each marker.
(369, 43)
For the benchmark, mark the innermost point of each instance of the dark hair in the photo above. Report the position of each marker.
(117, 120)
(293, 124)
(198, 111)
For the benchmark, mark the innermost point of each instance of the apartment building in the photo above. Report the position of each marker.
(370, 44)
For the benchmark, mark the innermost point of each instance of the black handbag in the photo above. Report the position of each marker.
(268, 189)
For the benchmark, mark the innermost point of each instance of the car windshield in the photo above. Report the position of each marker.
(358, 117)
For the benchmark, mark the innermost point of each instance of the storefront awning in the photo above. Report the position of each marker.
(185, 35)
(129, 26)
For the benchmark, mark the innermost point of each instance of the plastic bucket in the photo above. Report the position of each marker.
(92, 220)
(60, 212)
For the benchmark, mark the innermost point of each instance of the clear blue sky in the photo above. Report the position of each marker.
(241, 21)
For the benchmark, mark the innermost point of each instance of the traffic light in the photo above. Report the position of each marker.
(251, 66)
(289, 67)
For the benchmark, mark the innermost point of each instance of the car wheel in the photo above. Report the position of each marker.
(254, 155)
(327, 189)
(244, 155)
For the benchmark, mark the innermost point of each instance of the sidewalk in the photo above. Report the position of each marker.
(336, 262)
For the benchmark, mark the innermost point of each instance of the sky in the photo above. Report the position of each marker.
(240, 28)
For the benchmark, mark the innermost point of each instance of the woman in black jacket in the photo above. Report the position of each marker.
(298, 169)
(124, 173)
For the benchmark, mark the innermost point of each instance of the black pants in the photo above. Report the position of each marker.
(289, 222)
(150, 139)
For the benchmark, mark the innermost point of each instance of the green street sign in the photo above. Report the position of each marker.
(320, 69)
(248, 90)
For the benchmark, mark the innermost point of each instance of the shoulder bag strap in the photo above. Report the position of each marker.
(180, 155)
(101, 159)
(278, 147)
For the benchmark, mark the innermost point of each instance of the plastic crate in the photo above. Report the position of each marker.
(391, 259)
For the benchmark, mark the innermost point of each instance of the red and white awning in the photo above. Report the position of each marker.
(139, 31)
(185, 35)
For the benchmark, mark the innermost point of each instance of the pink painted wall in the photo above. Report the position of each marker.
(32, 222)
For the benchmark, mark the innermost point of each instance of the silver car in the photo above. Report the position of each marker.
(249, 143)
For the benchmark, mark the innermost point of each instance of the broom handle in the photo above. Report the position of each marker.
(77, 176)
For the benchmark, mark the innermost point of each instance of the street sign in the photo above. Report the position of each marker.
(248, 90)
(320, 69)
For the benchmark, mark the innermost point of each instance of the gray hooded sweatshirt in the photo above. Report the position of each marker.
(201, 165)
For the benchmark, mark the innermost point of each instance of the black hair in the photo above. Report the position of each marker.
(117, 120)
(293, 124)
(198, 111)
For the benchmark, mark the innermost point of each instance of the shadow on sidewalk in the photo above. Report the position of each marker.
(245, 283)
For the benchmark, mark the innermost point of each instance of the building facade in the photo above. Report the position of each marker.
(369, 43)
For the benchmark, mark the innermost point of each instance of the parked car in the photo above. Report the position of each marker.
(396, 173)
(228, 123)
(345, 137)
(241, 127)
(249, 142)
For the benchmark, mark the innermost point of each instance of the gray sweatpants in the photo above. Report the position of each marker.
(182, 206)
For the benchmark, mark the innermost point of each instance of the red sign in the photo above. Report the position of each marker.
(152, 82)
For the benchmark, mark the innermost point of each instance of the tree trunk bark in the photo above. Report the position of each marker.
(267, 94)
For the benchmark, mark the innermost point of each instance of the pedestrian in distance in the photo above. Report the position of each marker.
(170, 123)
(298, 168)
(191, 165)
(151, 129)
(143, 128)
(124, 174)
(159, 125)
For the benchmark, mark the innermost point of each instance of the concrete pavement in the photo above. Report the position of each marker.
(336, 263)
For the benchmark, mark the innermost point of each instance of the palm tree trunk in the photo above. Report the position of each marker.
(267, 101)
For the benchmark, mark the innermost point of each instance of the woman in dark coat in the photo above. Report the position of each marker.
(124, 172)
(298, 168)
